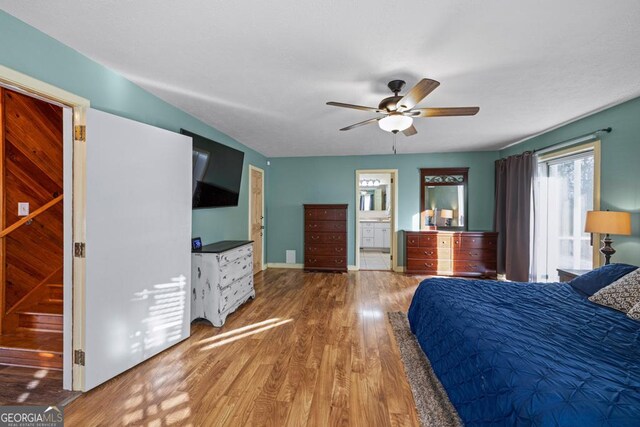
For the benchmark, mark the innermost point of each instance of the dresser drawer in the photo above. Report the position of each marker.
(337, 226)
(430, 266)
(368, 232)
(326, 214)
(465, 242)
(325, 249)
(435, 241)
(234, 270)
(235, 292)
(473, 267)
(226, 257)
(319, 261)
(412, 240)
(320, 237)
(475, 254)
(429, 253)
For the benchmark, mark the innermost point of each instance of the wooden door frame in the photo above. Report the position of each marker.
(394, 215)
(34, 87)
(253, 168)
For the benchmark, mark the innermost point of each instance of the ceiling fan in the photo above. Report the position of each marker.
(398, 111)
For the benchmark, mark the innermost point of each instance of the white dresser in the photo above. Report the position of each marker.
(221, 279)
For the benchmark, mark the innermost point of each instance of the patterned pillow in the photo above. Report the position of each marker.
(622, 294)
(634, 313)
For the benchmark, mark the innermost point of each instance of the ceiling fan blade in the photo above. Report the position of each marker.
(366, 122)
(411, 130)
(355, 107)
(417, 94)
(444, 112)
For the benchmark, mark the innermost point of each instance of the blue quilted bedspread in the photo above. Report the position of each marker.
(529, 353)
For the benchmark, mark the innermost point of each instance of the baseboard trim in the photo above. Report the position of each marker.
(398, 269)
(299, 266)
(285, 265)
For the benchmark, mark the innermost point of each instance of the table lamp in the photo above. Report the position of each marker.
(446, 214)
(608, 222)
(429, 214)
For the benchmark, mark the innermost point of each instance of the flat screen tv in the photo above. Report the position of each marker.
(217, 173)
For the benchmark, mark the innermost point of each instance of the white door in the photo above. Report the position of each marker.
(138, 231)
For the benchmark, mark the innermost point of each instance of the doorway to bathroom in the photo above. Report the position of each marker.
(375, 219)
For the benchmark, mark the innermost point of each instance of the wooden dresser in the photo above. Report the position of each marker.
(451, 253)
(325, 237)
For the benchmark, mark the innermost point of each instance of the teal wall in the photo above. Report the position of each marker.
(293, 181)
(620, 167)
(29, 51)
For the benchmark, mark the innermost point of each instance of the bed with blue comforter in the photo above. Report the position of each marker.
(529, 353)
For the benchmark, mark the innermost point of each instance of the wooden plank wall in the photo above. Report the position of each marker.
(33, 170)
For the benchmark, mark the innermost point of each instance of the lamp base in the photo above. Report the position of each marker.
(607, 250)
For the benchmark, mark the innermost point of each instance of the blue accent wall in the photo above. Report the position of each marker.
(620, 165)
(297, 180)
(29, 51)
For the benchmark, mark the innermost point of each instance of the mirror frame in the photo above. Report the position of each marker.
(444, 172)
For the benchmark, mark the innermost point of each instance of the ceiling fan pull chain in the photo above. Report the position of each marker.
(395, 139)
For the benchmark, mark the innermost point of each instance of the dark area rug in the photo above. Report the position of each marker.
(432, 402)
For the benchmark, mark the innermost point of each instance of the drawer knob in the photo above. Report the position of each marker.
(428, 253)
(457, 242)
(315, 237)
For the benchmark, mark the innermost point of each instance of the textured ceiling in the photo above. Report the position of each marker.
(262, 71)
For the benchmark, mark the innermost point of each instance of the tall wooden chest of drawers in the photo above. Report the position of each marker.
(451, 253)
(325, 237)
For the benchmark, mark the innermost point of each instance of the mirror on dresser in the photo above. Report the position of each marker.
(443, 198)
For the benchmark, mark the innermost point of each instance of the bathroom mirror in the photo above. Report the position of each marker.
(374, 198)
(443, 198)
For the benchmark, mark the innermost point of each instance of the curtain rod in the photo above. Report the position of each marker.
(578, 139)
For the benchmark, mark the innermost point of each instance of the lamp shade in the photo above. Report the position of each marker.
(608, 222)
(429, 212)
(446, 213)
(395, 123)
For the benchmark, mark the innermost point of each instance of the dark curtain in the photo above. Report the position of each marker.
(512, 217)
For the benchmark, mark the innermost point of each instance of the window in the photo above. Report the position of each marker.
(565, 189)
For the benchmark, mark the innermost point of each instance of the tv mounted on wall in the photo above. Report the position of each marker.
(217, 173)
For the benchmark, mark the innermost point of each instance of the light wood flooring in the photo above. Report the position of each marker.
(312, 349)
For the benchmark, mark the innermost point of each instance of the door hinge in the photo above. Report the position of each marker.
(391, 257)
(80, 133)
(79, 249)
(78, 357)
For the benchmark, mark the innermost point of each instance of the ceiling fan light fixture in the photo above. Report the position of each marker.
(395, 123)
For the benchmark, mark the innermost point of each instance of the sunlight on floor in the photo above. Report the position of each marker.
(38, 375)
(145, 407)
(237, 334)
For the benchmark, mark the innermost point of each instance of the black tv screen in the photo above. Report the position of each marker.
(217, 173)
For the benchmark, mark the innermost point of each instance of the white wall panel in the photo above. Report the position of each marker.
(138, 243)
